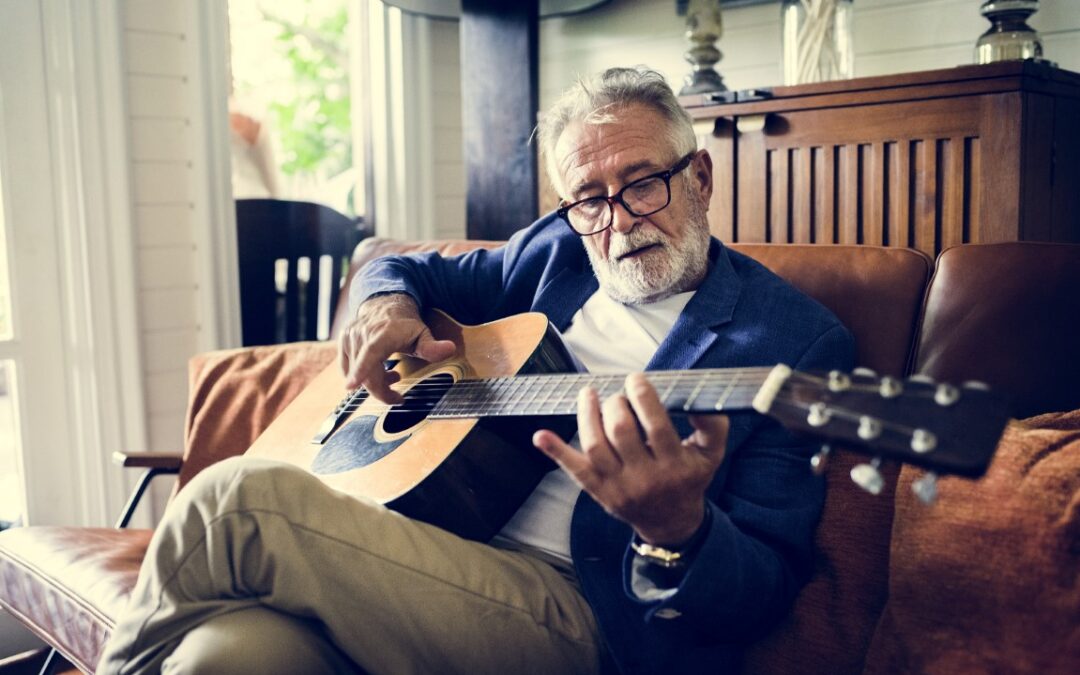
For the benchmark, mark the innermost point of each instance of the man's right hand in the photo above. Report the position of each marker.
(384, 325)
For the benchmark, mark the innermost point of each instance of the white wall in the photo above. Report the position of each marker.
(448, 151)
(159, 87)
(891, 36)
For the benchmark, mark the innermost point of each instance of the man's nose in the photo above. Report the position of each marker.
(622, 221)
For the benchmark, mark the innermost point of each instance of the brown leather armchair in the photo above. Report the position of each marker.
(1006, 314)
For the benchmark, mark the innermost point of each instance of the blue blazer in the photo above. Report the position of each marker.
(765, 502)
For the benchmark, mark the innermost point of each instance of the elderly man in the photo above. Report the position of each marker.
(661, 545)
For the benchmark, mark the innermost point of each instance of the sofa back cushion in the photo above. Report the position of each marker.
(877, 293)
(987, 580)
(1009, 315)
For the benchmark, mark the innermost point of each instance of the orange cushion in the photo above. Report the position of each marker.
(235, 394)
(988, 578)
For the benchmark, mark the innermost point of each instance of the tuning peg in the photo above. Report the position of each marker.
(865, 372)
(818, 415)
(976, 384)
(890, 387)
(946, 395)
(919, 377)
(838, 381)
(925, 488)
(923, 441)
(820, 461)
(868, 477)
(869, 428)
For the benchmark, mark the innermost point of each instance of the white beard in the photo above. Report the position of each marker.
(668, 268)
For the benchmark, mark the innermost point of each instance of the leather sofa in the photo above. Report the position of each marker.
(883, 599)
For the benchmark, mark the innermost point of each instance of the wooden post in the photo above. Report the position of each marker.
(500, 98)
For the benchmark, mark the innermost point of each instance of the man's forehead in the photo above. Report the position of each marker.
(585, 150)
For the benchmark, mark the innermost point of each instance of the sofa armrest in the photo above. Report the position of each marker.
(170, 461)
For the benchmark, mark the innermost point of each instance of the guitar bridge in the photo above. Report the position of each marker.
(334, 419)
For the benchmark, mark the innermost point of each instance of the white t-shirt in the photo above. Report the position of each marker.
(605, 336)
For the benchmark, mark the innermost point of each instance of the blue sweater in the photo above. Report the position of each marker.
(765, 502)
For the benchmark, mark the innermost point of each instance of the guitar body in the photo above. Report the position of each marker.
(465, 475)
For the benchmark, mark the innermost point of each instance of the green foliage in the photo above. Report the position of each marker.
(313, 122)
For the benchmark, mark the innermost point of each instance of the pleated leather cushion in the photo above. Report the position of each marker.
(68, 584)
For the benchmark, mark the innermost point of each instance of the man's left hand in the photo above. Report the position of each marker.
(633, 463)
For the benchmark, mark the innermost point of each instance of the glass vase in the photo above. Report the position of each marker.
(817, 40)
(1009, 37)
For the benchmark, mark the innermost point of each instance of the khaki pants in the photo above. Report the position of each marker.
(258, 567)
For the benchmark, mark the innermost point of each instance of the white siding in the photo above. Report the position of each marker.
(158, 66)
(891, 36)
(448, 153)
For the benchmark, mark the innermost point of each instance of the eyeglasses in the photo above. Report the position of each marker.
(642, 197)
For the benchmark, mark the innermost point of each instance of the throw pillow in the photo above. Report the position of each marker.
(988, 578)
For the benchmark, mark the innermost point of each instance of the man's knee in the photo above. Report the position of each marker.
(255, 640)
(238, 482)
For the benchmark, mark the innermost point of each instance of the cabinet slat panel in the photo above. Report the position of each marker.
(926, 199)
(802, 206)
(848, 202)
(973, 193)
(753, 179)
(952, 197)
(779, 192)
(873, 189)
(900, 177)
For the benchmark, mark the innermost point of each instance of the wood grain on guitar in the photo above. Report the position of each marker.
(458, 453)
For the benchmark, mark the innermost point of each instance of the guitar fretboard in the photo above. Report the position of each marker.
(690, 391)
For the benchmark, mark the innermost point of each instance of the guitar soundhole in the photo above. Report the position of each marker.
(419, 402)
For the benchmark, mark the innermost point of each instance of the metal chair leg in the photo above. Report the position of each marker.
(136, 495)
(50, 663)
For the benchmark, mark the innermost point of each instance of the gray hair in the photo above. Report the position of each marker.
(594, 99)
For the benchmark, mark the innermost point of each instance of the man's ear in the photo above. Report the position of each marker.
(701, 172)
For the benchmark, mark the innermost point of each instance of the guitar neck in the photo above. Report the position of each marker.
(683, 391)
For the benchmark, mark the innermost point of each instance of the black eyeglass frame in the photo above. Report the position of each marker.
(564, 210)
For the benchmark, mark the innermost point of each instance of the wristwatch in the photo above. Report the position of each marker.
(658, 555)
(673, 558)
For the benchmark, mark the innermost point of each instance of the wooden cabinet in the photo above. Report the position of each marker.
(926, 160)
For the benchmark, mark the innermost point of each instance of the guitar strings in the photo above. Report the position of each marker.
(424, 396)
(659, 376)
(740, 394)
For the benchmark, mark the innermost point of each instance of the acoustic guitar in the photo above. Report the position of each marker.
(457, 452)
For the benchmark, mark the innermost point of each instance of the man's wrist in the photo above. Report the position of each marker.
(673, 556)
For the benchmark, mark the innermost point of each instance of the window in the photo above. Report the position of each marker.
(291, 107)
(11, 485)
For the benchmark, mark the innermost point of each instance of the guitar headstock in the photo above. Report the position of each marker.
(945, 428)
